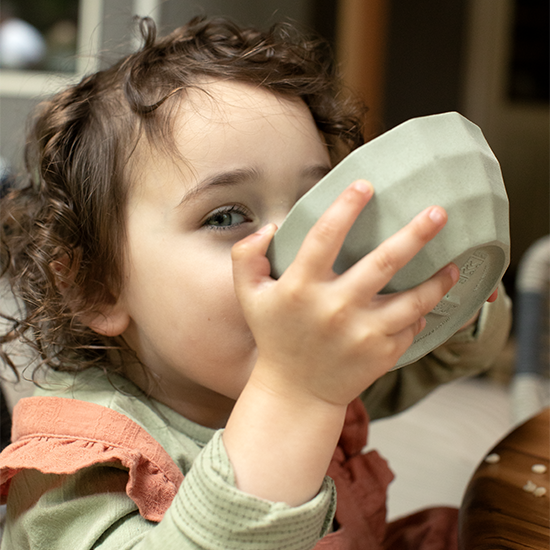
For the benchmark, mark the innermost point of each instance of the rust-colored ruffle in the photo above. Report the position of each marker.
(62, 436)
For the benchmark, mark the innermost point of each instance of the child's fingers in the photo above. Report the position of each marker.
(250, 265)
(493, 296)
(376, 269)
(324, 240)
(406, 308)
(402, 316)
(403, 339)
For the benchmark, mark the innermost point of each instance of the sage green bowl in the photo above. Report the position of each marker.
(435, 160)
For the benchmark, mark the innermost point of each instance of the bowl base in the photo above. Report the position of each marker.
(480, 273)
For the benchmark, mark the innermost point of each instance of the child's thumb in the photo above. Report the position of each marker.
(250, 265)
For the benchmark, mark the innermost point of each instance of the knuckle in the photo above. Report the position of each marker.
(241, 250)
(421, 231)
(392, 348)
(338, 316)
(386, 262)
(334, 319)
(370, 335)
(426, 303)
(294, 291)
(420, 306)
(399, 344)
(237, 250)
(325, 229)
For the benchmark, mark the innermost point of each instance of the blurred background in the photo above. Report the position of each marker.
(487, 59)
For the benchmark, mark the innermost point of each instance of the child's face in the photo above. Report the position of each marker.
(246, 157)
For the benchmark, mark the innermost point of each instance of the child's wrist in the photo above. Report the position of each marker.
(291, 390)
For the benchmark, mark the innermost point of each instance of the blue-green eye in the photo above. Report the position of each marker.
(227, 218)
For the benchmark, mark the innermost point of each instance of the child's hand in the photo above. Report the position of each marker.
(322, 338)
(471, 321)
(330, 336)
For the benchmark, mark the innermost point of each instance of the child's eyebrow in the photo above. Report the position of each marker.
(231, 177)
(316, 172)
(242, 175)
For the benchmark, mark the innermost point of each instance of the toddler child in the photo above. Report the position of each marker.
(190, 400)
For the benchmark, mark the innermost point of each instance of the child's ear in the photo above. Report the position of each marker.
(110, 320)
(107, 320)
(64, 272)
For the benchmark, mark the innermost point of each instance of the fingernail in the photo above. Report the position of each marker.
(363, 187)
(422, 323)
(437, 215)
(454, 272)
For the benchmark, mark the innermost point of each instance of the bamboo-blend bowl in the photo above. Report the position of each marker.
(435, 160)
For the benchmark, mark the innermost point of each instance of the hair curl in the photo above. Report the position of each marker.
(64, 227)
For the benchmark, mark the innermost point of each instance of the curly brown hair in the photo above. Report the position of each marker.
(64, 229)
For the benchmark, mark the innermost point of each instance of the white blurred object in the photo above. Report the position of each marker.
(21, 45)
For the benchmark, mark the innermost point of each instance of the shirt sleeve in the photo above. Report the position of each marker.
(469, 352)
(90, 510)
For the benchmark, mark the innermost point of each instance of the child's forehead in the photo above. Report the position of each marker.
(221, 102)
(227, 125)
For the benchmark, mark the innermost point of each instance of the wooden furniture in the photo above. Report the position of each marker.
(497, 512)
(361, 51)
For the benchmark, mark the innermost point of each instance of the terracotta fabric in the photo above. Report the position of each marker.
(361, 486)
(62, 436)
(430, 529)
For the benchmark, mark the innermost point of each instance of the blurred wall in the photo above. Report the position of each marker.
(246, 12)
(424, 58)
